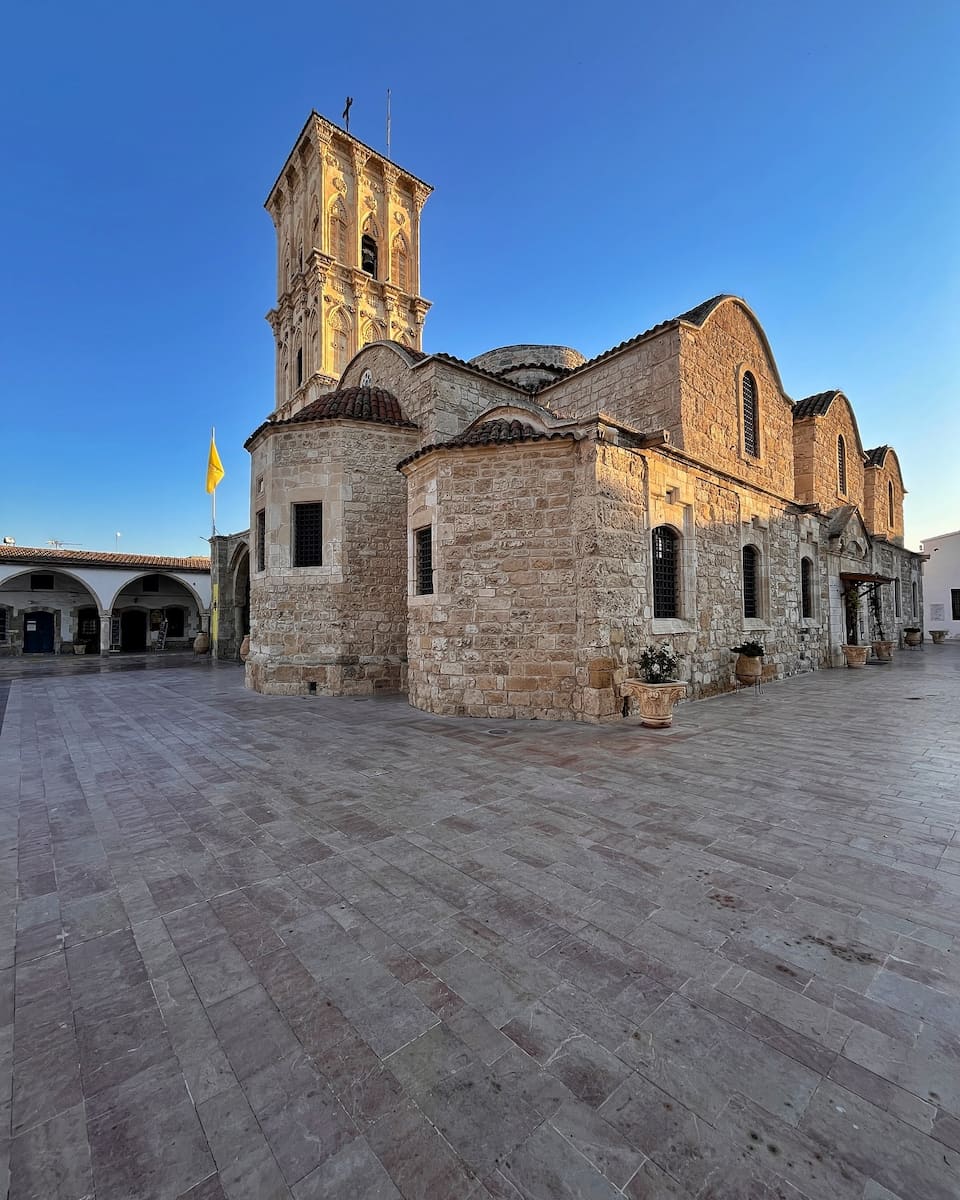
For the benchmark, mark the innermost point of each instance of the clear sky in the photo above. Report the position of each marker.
(598, 168)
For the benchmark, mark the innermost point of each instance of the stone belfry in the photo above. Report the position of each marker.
(348, 259)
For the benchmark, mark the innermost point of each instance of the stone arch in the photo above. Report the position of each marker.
(341, 333)
(195, 595)
(373, 331)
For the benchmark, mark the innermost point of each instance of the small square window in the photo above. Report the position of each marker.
(41, 583)
(308, 535)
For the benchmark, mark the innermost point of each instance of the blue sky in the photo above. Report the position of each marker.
(597, 169)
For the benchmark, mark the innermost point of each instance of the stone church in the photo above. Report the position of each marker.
(500, 537)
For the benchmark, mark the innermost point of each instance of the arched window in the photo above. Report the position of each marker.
(666, 572)
(751, 581)
(373, 331)
(841, 466)
(806, 587)
(299, 365)
(368, 255)
(751, 426)
(338, 232)
(340, 343)
(890, 503)
(400, 263)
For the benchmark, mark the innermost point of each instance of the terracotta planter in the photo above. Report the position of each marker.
(856, 656)
(201, 643)
(912, 637)
(937, 636)
(245, 648)
(749, 668)
(882, 651)
(655, 700)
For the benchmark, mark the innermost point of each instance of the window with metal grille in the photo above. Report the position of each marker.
(890, 504)
(806, 587)
(3, 623)
(666, 572)
(751, 581)
(41, 583)
(916, 599)
(308, 535)
(261, 540)
(955, 603)
(751, 431)
(423, 539)
(897, 602)
(841, 466)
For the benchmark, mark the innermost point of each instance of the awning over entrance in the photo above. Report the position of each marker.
(864, 577)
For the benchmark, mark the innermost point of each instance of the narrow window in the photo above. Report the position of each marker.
(41, 583)
(261, 540)
(338, 232)
(841, 466)
(751, 434)
(341, 343)
(423, 539)
(751, 581)
(890, 504)
(399, 271)
(806, 587)
(916, 598)
(3, 623)
(666, 572)
(897, 601)
(955, 603)
(299, 365)
(368, 255)
(150, 583)
(307, 535)
(175, 623)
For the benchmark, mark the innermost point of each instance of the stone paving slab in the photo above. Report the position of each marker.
(261, 948)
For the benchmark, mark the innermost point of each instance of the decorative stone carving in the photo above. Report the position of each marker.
(655, 700)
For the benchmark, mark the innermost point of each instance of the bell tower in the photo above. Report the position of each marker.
(348, 259)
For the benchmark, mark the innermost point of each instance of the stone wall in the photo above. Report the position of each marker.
(815, 458)
(338, 628)
(713, 361)
(229, 572)
(498, 637)
(876, 500)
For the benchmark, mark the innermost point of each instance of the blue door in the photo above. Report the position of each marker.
(38, 633)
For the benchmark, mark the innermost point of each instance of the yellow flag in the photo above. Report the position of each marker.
(215, 470)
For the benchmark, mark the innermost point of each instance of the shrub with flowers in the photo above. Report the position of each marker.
(658, 663)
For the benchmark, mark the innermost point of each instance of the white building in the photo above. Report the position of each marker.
(53, 601)
(941, 583)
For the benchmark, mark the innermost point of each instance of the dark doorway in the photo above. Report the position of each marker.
(133, 629)
(38, 633)
(88, 630)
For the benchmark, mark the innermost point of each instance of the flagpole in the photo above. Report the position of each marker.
(213, 494)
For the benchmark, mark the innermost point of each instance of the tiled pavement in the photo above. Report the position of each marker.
(258, 948)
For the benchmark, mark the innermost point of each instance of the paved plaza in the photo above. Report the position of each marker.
(257, 948)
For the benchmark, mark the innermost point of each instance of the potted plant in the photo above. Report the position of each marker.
(912, 635)
(658, 690)
(882, 648)
(937, 636)
(749, 665)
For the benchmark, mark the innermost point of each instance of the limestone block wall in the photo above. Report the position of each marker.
(713, 361)
(815, 458)
(639, 385)
(338, 628)
(877, 482)
(498, 637)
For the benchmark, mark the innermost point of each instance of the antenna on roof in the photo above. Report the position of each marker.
(58, 545)
(346, 112)
(388, 122)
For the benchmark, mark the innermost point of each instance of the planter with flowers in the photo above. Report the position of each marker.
(658, 689)
(749, 665)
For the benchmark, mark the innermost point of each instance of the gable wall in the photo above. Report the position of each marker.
(815, 452)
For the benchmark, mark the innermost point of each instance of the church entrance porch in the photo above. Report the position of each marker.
(38, 633)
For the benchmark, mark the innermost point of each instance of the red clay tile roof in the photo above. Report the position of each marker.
(491, 433)
(814, 406)
(875, 457)
(373, 404)
(98, 558)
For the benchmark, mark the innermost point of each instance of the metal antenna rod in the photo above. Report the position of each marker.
(388, 122)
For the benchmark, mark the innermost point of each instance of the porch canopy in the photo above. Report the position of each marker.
(865, 577)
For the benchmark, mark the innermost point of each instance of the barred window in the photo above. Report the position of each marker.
(751, 432)
(307, 535)
(261, 540)
(423, 539)
(897, 602)
(954, 602)
(751, 581)
(666, 572)
(806, 587)
(3, 622)
(890, 504)
(841, 466)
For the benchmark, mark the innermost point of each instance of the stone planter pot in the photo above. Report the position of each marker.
(912, 637)
(749, 668)
(937, 636)
(882, 651)
(655, 700)
(201, 643)
(79, 647)
(245, 648)
(856, 656)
